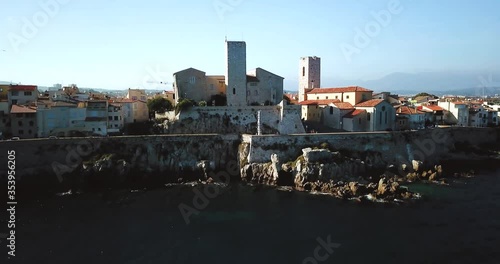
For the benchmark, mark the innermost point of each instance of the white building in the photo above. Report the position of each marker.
(115, 118)
(457, 113)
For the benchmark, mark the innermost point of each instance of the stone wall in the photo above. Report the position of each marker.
(428, 146)
(229, 120)
(167, 157)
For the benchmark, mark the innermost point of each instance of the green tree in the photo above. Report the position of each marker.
(159, 105)
(184, 104)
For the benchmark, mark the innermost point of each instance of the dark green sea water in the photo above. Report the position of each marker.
(453, 224)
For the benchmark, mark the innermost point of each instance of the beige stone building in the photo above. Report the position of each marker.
(140, 112)
(239, 86)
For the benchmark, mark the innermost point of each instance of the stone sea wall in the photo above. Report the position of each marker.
(429, 146)
(164, 158)
(113, 161)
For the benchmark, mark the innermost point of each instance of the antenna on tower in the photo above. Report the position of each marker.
(225, 38)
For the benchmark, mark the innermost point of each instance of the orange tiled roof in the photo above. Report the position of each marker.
(339, 90)
(406, 110)
(319, 102)
(354, 113)
(370, 103)
(343, 105)
(23, 109)
(434, 107)
(19, 87)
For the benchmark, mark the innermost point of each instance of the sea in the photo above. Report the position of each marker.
(241, 223)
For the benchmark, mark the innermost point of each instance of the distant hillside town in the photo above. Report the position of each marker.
(244, 101)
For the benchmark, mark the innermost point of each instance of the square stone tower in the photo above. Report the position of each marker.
(309, 75)
(236, 73)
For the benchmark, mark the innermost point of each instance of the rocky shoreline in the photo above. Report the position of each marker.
(330, 172)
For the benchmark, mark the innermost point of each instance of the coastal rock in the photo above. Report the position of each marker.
(317, 155)
(417, 165)
(382, 187)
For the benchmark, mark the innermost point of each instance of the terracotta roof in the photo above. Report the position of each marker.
(459, 103)
(406, 110)
(339, 90)
(354, 113)
(18, 87)
(370, 103)
(22, 109)
(434, 107)
(343, 106)
(124, 100)
(319, 102)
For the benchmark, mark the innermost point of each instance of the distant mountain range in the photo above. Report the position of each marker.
(439, 83)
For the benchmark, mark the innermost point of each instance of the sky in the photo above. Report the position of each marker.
(120, 44)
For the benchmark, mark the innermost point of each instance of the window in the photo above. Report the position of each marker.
(234, 90)
(116, 118)
(386, 118)
(331, 110)
(15, 93)
(21, 132)
(368, 116)
(327, 97)
(383, 108)
(380, 118)
(110, 118)
(317, 97)
(192, 80)
(99, 129)
(336, 97)
(27, 94)
(20, 123)
(32, 123)
(143, 98)
(14, 102)
(29, 132)
(303, 71)
(347, 97)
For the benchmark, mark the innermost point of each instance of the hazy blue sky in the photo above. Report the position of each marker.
(123, 43)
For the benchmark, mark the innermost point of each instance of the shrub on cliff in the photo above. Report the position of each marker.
(184, 104)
